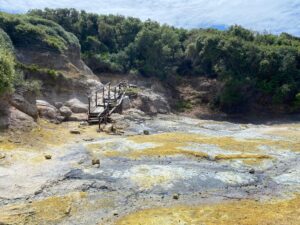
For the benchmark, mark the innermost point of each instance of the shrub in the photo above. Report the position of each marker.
(7, 63)
(27, 31)
(183, 105)
(7, 72)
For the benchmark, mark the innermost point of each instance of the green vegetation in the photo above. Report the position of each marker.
(36, 69)
(7, 63)
(133, 91)
(183, 105)
(28, 32)
(253, 68)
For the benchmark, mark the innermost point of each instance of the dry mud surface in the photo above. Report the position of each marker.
(187, 171)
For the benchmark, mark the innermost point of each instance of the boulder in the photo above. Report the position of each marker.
(126, 103)
(75, 131)
(58, 105)
(25, 102)
(48, 157)
(78, 117)
(77, 106)
(46, 110)
(19, 120)
(65, 112)
(151, 103)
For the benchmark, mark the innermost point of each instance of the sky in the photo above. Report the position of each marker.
(274, 16)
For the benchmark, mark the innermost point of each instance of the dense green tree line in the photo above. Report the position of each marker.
(7, 63)
(252, 67)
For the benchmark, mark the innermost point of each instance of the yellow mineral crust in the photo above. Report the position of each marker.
(170, 144)
(46, 211)
(244, 212)
(45, 135)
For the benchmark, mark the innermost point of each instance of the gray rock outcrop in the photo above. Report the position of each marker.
(46, 110)
(65, 112)
(77, 106)
(151, 103)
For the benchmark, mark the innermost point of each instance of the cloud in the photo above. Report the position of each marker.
(274, 16)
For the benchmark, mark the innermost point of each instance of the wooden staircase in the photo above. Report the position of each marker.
(105, 101)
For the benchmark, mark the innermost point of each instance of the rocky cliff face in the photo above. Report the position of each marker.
(43, 51)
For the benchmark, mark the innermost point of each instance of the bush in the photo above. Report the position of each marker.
(7, 64)
(297, 101)
(7, 72)
(26, 32)
(183, 105)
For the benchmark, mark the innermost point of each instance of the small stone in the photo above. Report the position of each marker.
(176, 196)
(252, 171)
(84, 123)
(48, 157)
(2, 156)
(68, 210)
(88, 139)
(113, 129)
(96, 166)
(75, 132)
(81, 161)
(146, 132)
(95, 162)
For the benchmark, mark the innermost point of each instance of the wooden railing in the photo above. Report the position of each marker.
(110, 102)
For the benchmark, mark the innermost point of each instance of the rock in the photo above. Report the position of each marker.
(68, 210)
(95, 162)
(25, 101)
(58, 105)
(108, 128)
(94, 84)
(88, 139)
(2, 156)
(126, 103)
(78, 117)
(46, 110)
(252, 171)
(116, 117)
(84, 123)
(176, 196)
(146, 132)
(77, 106)
(18, 120)
(75, 132)
(59, 119)
(151, 103)
(48, 157)
(65, 112)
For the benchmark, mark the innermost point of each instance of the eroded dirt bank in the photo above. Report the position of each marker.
(186, 171)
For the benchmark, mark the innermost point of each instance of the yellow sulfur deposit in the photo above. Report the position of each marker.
(49, 210)
(244, 212)
(170, 144)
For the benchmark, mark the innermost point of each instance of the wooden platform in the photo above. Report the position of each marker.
(104, 101)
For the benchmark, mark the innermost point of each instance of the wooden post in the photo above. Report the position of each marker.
(109, 92)
(115, 93)
(89, 105)
(103, 97)
(96, 98)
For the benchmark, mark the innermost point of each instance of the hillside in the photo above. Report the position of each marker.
(39, 59)
(243, 71)
(253, 69)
